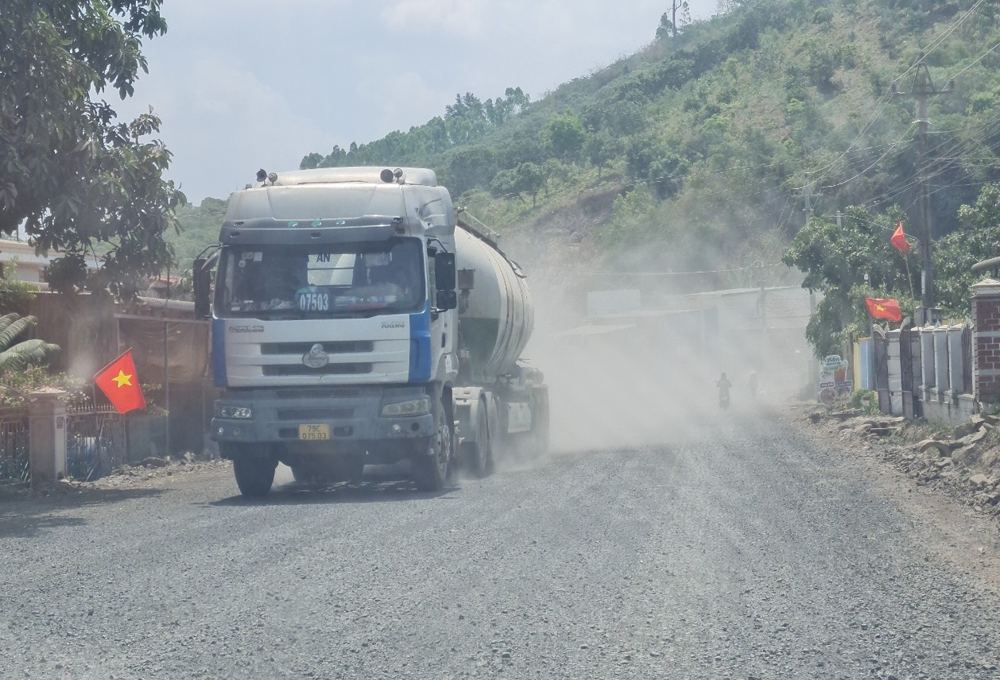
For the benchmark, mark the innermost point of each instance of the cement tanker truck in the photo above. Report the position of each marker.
(356, 320)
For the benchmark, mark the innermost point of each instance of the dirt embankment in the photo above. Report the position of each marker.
(962, 463)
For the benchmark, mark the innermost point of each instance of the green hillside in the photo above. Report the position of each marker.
(698, 151)
(712, 134)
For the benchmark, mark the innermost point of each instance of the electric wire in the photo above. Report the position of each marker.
(887, 97)
(979, 59)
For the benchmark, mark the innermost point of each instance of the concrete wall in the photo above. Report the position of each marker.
(941, 382)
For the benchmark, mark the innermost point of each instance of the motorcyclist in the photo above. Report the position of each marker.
(724, 386)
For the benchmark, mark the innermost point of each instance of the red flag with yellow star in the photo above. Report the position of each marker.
(884, 308)
(120, 384)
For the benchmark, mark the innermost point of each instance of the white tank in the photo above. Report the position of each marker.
(496, 316)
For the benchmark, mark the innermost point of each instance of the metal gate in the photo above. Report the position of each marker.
(94, 441)
(15, 467)
(881, 346)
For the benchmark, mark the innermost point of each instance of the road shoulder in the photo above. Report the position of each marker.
(950, 513)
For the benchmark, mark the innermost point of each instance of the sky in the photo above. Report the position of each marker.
(248, 84)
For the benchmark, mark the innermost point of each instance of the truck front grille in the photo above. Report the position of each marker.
(285, 370)
(315, 413)
(317, 393)
(300, 348)
(339, 431)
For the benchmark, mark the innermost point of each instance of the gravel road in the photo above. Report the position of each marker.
(747, 551)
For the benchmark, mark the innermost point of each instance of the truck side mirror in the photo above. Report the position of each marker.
(446, 299)
(444, 272)
(201, 276)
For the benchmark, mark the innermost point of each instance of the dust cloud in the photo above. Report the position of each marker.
(625, 387)
(647, 376)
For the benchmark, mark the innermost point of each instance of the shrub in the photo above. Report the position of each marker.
(25, 353)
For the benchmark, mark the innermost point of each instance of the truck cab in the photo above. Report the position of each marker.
(334, 326)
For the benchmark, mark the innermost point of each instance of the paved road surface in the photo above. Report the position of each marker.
(745, 552)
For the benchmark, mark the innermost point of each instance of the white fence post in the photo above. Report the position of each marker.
(47, 435)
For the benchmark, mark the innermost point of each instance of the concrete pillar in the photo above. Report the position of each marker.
(895, 373)
(916, 365)
(927, 379)
(955, 366)
(941, 361)
(986, 340)
(47, 435)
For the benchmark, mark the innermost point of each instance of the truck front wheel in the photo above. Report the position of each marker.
(430, 465)
(254, 473)
(478, 452)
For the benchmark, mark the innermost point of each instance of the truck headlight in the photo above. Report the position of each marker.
(233, 412)
(413, 407)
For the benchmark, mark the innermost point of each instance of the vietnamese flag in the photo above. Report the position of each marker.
(120, 384)
(884, 308)
(899, 239)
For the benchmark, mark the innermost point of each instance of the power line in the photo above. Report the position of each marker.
(879, 160)
(979, 59)
(887, 97)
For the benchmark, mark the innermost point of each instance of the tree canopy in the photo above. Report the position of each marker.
(74, 177)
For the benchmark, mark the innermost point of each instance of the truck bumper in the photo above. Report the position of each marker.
(351, 416)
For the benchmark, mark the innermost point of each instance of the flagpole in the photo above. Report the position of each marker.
(166, 369)
(909, 277)
(901, 235)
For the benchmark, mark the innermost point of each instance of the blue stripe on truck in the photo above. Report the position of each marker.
(219, 352)
(420, 346)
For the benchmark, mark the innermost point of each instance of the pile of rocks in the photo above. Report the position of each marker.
(875, 427)
(153, 469)
(963, 463)
(969, 458)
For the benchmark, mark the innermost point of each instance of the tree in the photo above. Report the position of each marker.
(599, 149)
(530, 179)
(77, 179)
(310, 161)
(14, 357)
(15, 295)
(527, 178)
(978, 239)
(469, 167)
(669, 22)
(566, 136)
(837, 260)
(726, 6)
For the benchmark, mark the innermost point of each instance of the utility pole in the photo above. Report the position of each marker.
(808, 195)
(923, 88)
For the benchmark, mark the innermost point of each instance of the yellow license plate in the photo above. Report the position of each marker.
(314, 433)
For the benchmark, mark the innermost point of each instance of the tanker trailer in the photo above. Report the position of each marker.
(354, 323)
(502, 404)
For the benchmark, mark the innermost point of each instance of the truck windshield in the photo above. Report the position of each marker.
(344, 279)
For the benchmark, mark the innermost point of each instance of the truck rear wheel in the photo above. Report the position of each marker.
(430, 465)
(254, 473)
